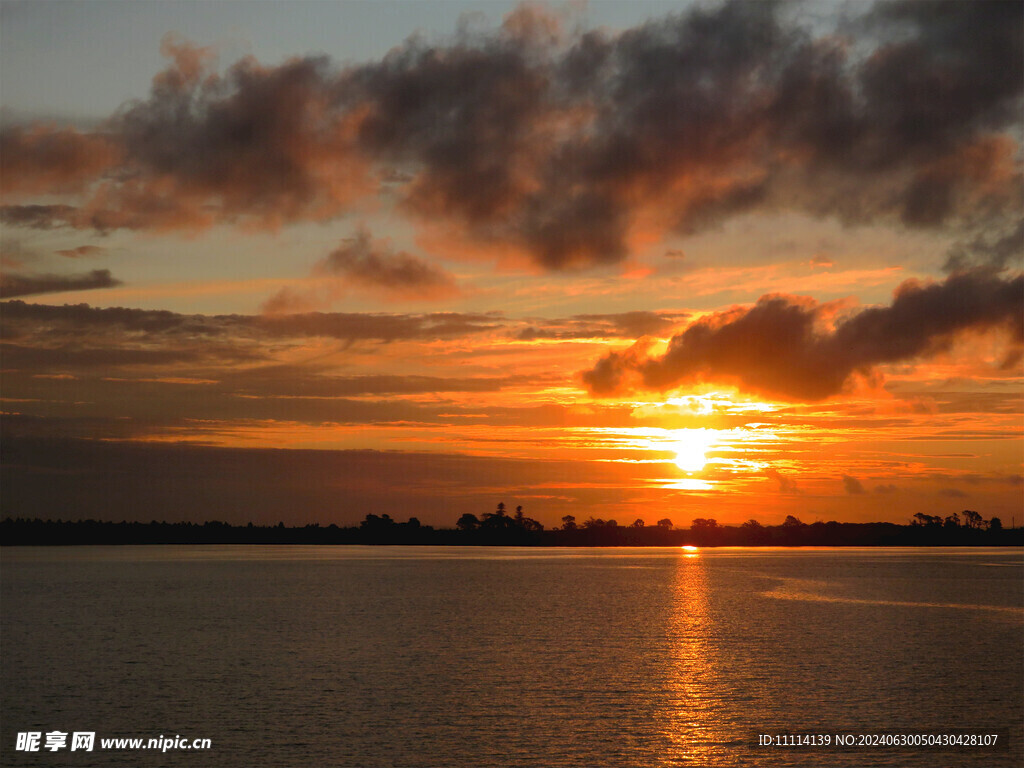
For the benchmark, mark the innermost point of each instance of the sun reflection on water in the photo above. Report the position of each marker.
(695, 718)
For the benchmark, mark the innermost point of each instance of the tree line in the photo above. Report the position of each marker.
(967, 528)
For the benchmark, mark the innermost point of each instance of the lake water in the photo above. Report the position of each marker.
(445, 657)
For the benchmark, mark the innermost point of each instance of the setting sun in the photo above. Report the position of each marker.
(691, 446)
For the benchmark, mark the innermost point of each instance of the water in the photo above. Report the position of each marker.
(409, 656)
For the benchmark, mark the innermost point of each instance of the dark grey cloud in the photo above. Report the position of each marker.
(995, 250)
(36, 216)
(77, 358)
(559, 145)
(50, 320)
(12, 284)
(360, 262)
(781, 347)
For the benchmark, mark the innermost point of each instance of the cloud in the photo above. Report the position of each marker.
(792, 348)
(373, 265)
(377, 327)
(629, 325)
(36, 216)
(786, 485)
(165, 367)
(82, 251)
(287, 380)
(993, 250)
(75, 357)
(567, 147)
(28, 285)
(46, 159)
(852, 485)
(81, 320)
(363, 264)
(257, 144)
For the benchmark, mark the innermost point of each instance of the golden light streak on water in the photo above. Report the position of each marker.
(694, 721)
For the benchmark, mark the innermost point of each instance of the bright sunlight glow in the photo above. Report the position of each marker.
(691, 446)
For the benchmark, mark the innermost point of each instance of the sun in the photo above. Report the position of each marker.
(691, 446)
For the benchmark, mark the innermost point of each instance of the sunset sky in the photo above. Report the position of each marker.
(304, 261)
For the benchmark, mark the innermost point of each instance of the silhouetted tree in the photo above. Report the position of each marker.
(488, 518)
(373, 522)
(753, 532)
(468, 522)
(527, 523)
(704, 530)
(638, 523)
(922, 519)
(497, 524)
(972, 519)
(953, 521)
(925, 530)
(665, 523)
(792, 522)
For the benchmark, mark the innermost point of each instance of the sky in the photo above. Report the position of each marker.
(307, 261)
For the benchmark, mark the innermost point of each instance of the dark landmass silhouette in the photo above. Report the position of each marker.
(499, 528)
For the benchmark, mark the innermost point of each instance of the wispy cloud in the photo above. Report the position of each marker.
(631, 325)
(75, 320)
(362, 264)
(12, 284)
(82, 251)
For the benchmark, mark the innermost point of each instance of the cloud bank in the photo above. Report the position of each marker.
(793, 348)
(566, 147)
